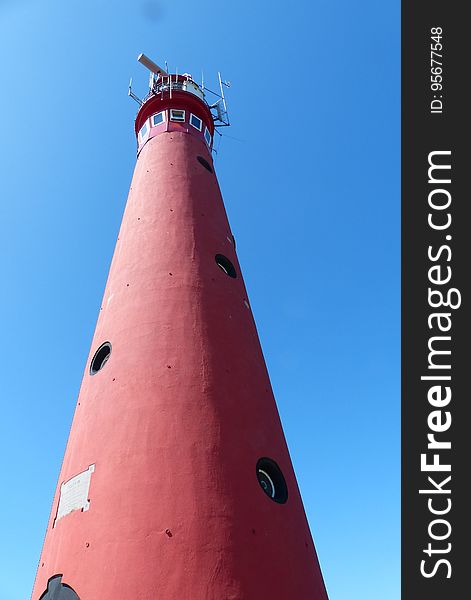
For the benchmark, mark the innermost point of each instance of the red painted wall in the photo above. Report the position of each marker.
(178, 417)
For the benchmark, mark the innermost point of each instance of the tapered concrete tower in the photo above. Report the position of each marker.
(176, 482)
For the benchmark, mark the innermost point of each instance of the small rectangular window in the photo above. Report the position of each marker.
(177, 115)
(158, 118)
(196, 122)
(207, 136)
(143, 130)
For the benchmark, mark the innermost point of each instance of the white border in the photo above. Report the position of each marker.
(178, 120)
(200, 128)
(140, 134)
(163, 113)
(206, 130)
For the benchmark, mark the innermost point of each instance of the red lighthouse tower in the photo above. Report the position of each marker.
(176, 482)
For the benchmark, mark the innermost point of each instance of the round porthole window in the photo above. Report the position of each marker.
(205, 163)
(100, 359)
(225, 265)
(271, 480)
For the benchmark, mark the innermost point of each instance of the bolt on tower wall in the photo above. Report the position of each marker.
(176, 482)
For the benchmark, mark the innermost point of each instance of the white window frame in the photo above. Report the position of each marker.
(162, 112)
(172, 117)
(143, 135)
(206, 131)
(200, 128)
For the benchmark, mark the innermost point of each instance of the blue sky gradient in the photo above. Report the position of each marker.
(309, 172)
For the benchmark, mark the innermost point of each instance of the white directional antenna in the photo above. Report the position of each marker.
(151, 65)
(155, 70)
(155, 73)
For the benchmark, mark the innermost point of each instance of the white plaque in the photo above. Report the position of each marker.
(74, 493)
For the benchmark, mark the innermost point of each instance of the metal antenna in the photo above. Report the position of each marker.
(132, 94)
(221, 118)
(222, 92)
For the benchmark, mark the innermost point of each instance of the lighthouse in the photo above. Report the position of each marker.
(176, 482)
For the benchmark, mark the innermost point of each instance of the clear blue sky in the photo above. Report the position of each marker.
(310, 178)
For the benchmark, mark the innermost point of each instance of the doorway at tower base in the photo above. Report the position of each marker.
(56, 590)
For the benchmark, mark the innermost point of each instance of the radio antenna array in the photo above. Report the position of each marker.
(219, 108)
(160, 80)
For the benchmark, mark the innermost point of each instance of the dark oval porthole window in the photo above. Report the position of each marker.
(101, 357)
(225, 265)
(271, 480)
(205, 163)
